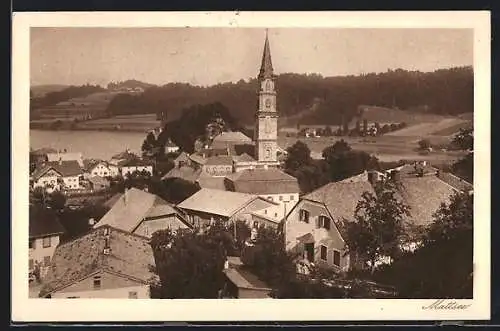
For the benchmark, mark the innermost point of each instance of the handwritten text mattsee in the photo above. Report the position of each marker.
(443, 304)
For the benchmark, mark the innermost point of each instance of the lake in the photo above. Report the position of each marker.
(92, 144)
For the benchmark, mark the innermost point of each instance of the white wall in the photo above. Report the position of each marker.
(288, 200)
(38, 253)
(103, 171)
(127, 169)
(114, 293)
(46, 180)
(72, 182)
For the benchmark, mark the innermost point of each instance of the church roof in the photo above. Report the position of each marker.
(232, 137)
(266, 68)
(262, 181)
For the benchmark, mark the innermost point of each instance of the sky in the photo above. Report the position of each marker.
(207, 56)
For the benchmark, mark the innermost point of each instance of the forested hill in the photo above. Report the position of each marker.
(445, 91)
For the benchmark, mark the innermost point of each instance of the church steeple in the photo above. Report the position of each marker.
(266, 68)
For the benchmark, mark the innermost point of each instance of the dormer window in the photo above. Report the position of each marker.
(324, 222)
(304, 216)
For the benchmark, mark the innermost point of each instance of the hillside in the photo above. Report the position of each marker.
(39, 91)
(312, 99)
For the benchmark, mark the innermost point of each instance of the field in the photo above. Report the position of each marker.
(443, 127)
(386, 148)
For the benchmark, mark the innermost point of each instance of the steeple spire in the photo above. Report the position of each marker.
(266, 68)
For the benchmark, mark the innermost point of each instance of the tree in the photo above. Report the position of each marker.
(377, 226)
(57, 200)
(299, 155)
(424, 144)
(189, 265)
(327, 132)
(453, 219)
(464, 139)
(464, 167)
(344, 162)
(177, 190)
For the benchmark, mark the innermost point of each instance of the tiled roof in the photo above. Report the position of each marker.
(185, 172)
(89, 164)
(455, 181)
(244, 158)
(219, 160)
(340, 198)
(217, 202)
(65, 168)
(53, 157)
(216, 183)
(232, 137)
(43, 222)
(424, 195)
(134, 206)
(44, 151)
(111, 201)
(197, 159)
(136, 163)
(262, 181)
(130, 256)
(182, 157)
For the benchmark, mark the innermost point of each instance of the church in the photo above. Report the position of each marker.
(222, 166)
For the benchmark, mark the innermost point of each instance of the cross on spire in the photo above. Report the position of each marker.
(266, 68)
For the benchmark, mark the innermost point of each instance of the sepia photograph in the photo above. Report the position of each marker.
(253, 160)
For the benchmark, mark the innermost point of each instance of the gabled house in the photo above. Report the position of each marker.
(100, 168)
(143, 213)
(241, 283)
(130, 166)
(44, 236)
(65, 156)
(104, 263)
(271, 184)
(314, 227)
(58, 175)
(209, 205)
(218, 166)
(170, 147)
(98, 183)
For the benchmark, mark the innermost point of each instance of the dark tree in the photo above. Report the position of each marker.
(377, 226)
(299, 155)
(177, 189)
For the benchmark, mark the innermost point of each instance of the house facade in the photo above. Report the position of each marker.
(218, 166)
(60, 175)
(132, 166)
(104, 169)
(44, 236)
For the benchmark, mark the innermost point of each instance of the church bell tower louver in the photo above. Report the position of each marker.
(266, 129)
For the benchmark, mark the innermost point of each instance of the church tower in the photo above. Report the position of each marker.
(266, 128)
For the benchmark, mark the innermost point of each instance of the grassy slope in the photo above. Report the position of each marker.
(41, 90)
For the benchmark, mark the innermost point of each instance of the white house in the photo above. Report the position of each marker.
(105, 263)
(58, 175)
(44, 236)
(102, 169)
(130, 166)
(170, 147)
(65, 156)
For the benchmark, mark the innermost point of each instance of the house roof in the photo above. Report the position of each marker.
(241, 277)
(243, 158)
(51, 157)
(263, 181)
(64, 168)
(216, 183)
(44, 151)
(184, 172)
(455, 181)
(133, 207)
(169, 143)
(197, 158)
(98, 180)
(131, 257)
(183, 156)
(232, 137)
(111, 201)
(424, 196)
(124, 155)
(135, 163)
(219, 160)
(43, 222)
(217, 202)
(340, 198)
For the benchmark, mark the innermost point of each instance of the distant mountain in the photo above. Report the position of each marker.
(313, 99)
(41, 90)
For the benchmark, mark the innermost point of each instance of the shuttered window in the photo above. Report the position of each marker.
(304, 215)
(336, 258)
(324, 253)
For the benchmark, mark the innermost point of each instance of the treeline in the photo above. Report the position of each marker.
(334, 99)
(53, 98)
(131, 83)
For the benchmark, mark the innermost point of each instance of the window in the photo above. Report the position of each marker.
(46, 261)
(336, 258)
(324, 222)
(97, 282)
(255, 224)
(292, 197)
(132, 295)
(281, 198)
(304, 215)
(270, 198)
(32, 243)
(324, 252)
(31, 264)
(46, 242)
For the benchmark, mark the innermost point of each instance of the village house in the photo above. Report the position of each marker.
(314, 227)
(59, 175)
(44, 236)
(243, 162)
(130, 166)
(241, 283)
(65, 156)
(104, 263)
(271, 184)
(218, 166)
(100, 168)
(142, 213)
(170, 147)
(209, 205)
(98, 183)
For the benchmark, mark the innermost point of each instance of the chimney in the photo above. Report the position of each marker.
(60, 160)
